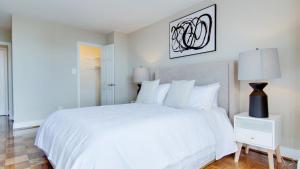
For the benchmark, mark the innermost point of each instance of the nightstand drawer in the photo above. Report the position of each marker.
(253, 137)
(259, 125)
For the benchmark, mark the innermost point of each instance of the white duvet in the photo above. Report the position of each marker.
(132, 136)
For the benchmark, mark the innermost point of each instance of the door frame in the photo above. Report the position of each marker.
(79, 43)
(9, 79)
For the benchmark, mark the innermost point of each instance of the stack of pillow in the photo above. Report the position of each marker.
(179, 94)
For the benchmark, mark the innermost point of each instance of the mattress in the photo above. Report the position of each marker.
(134, 136)
(198, 160)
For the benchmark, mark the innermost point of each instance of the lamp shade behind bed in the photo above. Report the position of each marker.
(140, 74)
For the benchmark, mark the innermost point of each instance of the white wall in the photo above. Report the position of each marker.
(44, 54)
(241, 25)
(5, 35)
(110, 38)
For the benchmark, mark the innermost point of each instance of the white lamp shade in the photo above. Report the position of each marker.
(141, 74)
(260, 64)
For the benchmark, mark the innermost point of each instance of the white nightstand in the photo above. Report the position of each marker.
(263, 133)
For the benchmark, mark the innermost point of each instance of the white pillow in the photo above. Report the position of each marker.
(179, 93)
(161, 93)
(204, 97)
(148, 92)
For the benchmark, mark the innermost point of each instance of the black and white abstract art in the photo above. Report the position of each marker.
(193, 34)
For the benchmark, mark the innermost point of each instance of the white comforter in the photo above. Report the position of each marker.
(132, 136)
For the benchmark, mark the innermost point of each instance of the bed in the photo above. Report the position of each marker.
(146, 136)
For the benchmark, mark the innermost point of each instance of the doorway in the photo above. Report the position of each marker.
(89, 75)
(95, 74)
(6, 106)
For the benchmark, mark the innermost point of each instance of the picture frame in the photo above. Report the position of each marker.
(194, 33)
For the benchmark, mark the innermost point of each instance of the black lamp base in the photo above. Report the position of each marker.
(258, 105)
(139, 87)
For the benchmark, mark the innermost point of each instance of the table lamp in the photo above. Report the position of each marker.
(140, 74)
(259, 65)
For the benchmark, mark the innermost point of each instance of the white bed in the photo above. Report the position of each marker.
(137, 136)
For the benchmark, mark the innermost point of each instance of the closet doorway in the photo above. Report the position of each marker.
(89, 73)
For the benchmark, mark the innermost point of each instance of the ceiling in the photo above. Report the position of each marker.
(95, 15)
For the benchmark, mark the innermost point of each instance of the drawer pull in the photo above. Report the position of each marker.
(252, 138)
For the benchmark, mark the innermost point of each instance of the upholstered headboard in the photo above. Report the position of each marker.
(205, 73)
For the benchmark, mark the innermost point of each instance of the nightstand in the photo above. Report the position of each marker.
(263, 133)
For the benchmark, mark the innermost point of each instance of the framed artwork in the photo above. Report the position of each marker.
(193, 34)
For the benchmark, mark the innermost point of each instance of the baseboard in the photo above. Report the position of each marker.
(290, 153)
(29, 124)
(287, 152)
(25, 131)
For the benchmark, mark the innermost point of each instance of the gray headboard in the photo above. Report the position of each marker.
(205, 73)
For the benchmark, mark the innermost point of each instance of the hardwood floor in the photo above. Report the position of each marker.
(18, 152)
(253, 160)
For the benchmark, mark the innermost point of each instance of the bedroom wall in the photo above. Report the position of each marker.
(44, 54)
(5, 35)
(297, 76)
(241, 25)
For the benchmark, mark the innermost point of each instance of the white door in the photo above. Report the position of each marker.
(108, 76)
(3, 82)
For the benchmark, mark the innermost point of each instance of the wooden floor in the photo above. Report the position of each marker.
(253, 160)
(18, 152)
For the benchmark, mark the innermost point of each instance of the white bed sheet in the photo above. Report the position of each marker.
(132, 136)
(196, 161)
